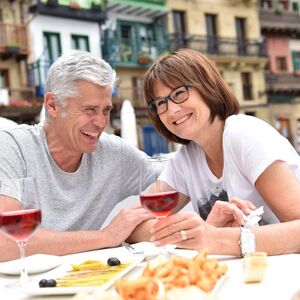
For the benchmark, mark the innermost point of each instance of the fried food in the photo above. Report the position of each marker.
(176, 272)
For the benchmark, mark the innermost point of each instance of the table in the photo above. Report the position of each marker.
(282, 279)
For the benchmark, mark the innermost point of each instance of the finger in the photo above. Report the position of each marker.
(187, 224)
(235, 212)
(245, 205)
(173, 219)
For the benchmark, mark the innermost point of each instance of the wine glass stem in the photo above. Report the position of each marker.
(24, 276)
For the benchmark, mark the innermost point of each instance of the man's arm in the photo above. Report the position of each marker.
(62, 243)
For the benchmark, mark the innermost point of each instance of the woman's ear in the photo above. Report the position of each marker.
(51, 104)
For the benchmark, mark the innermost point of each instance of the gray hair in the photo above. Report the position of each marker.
(74, 66)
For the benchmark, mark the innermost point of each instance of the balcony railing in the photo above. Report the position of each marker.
(126, 54)
(217, 45)
(271, 20)
(286, 83)
(13, 41)
(91, 10)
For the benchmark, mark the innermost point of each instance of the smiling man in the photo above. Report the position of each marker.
(80, 172)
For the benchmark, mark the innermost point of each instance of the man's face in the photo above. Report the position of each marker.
(82, 121)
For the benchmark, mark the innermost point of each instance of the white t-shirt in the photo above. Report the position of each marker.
(250, 145)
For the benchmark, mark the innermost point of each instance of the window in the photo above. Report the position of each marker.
(211, 32)
(295, 6)
(250, 113)
(281, 64)
(137, 84)
(179, 28)
(80, 42)
(52, 45)
(240, 25)
(247, 86)
(4, 79)
(296, 60)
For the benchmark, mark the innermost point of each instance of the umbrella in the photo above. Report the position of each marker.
(128, 123)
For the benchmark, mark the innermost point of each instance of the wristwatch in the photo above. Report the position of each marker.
(247, 241)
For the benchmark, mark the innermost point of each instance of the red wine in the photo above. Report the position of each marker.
(160, 204)
(20, 224)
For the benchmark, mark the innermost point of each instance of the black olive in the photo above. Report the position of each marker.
(51, 283)
(47, 283)
(113, 261)
(43, 283)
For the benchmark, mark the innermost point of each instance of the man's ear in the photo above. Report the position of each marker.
(51, 105)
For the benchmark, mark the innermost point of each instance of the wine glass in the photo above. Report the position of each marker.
(19, 220)
(158, 197)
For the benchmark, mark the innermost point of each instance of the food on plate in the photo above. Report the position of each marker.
(88, 273)
(254, 265)
(159, 277)
(113, 261)
(47, 283)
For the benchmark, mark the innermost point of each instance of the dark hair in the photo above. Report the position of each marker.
(186, 66)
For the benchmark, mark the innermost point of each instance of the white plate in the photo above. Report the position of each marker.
(33, 289)
(35, 264)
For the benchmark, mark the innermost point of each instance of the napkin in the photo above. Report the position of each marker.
(253, 218)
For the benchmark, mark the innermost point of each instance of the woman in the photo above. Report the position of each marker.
(224, 155)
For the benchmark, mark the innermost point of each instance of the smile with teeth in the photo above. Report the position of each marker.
(181, 120)
(90, 133)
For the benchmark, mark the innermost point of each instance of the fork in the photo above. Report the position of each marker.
(131, 249)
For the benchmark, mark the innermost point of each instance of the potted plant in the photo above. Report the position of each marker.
(12, 47)
(74, 5)
(144, 59)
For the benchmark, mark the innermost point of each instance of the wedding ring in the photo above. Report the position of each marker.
(183, 235)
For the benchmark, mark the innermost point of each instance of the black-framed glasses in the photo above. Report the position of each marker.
(177, 96)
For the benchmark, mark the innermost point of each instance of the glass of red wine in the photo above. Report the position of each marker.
(158, 197)
(20, 215)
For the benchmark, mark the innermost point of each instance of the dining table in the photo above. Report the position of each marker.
(281, 280)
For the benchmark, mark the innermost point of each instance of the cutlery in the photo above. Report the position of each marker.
(131, 249)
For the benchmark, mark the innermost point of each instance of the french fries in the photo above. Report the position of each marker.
(176, 272)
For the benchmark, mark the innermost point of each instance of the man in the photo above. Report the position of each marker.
(80, 172)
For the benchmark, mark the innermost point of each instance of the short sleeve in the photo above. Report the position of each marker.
(255, 145)
(12, 164)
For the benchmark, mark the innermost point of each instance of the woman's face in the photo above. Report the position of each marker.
(188, 120)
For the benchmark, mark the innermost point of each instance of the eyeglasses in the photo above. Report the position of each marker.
(177, 96)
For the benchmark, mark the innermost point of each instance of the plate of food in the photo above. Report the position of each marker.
(199, 277)
(85, 275)
(36, 263)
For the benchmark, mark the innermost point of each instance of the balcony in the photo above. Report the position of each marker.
(13, 41)
(128, 55)
(148, 8)
(91, 11)
(217, 45)
(284, 83)
(279, 21)
(22, 106)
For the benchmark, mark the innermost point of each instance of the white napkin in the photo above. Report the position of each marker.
(253, 218)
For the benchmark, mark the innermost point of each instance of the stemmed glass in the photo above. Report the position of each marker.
(19, 224)
(158, 197)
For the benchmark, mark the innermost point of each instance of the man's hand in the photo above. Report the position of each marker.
(124, 223)
(229, 214)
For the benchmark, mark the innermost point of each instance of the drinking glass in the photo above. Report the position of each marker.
(19, 224)
(158, 197)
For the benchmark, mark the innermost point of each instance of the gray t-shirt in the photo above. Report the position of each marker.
(72, 201)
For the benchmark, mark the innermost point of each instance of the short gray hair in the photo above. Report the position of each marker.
(74, 66)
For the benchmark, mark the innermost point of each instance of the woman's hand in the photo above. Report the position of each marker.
(229, 214)
(197, 233)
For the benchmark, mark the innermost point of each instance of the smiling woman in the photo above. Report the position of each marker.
(226, 158)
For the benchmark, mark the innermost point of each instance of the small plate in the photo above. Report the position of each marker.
(36, 263)
(32, 288)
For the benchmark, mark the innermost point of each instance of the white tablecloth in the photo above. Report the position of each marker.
(281, 281)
